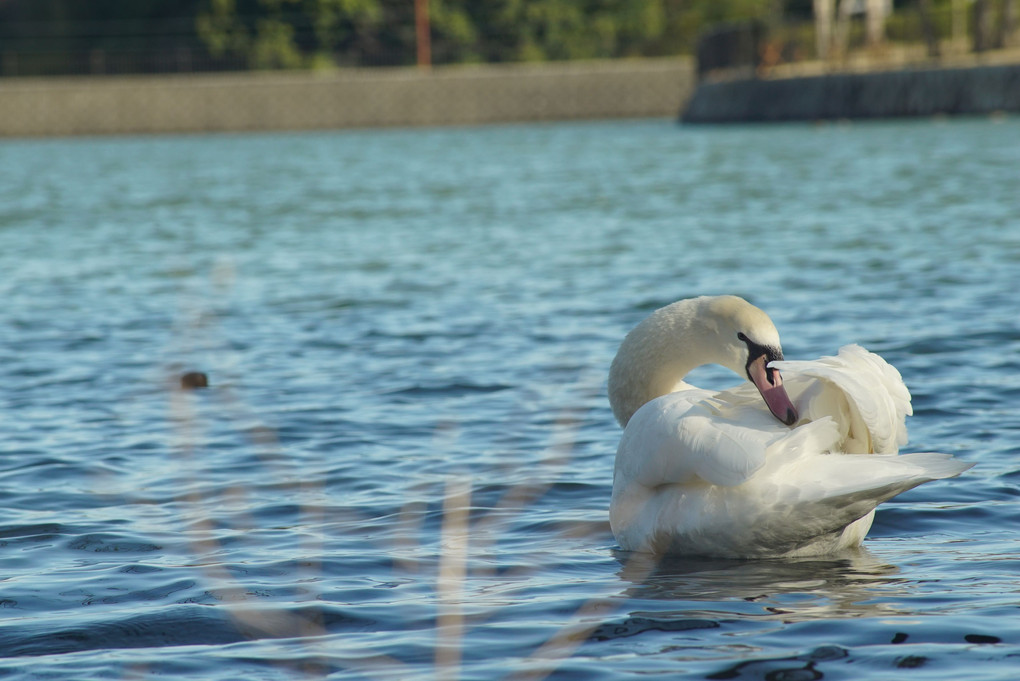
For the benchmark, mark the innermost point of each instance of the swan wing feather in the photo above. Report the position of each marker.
(877, 400)
(682, 437)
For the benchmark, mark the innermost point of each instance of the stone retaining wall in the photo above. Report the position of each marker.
(461, 95)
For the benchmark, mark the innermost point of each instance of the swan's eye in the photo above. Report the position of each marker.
(742, 337)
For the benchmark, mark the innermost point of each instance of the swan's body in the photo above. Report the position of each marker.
(725, 474)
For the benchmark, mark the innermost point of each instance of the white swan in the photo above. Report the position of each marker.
(716, 474)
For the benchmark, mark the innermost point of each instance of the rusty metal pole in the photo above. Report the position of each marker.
(422, 33)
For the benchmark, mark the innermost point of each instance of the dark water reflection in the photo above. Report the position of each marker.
(847, 585)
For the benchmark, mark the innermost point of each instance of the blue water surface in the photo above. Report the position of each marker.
(402, 466)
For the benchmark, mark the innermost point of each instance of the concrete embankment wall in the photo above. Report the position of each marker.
(461, 95)
(927, 92)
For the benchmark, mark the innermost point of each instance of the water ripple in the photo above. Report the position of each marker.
(402, 465)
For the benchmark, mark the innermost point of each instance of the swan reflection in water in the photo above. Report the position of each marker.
(755, 619)
(845, 585)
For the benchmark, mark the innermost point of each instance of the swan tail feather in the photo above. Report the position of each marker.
(879, 476)
(936, 466)
(811, 516)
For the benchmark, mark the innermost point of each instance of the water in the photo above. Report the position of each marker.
(402, 467)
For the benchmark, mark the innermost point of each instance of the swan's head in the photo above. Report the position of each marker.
(724, 330)
(749, 343)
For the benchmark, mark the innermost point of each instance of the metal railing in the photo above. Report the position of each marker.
(917, 36)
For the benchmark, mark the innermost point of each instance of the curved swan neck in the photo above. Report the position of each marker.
(654, 358)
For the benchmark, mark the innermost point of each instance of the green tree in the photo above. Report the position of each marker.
(287, 33)
(308, 33)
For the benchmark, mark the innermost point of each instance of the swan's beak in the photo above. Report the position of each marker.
(770, 384)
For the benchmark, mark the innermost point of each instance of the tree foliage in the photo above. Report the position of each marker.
(302, 33)
(382, 31)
